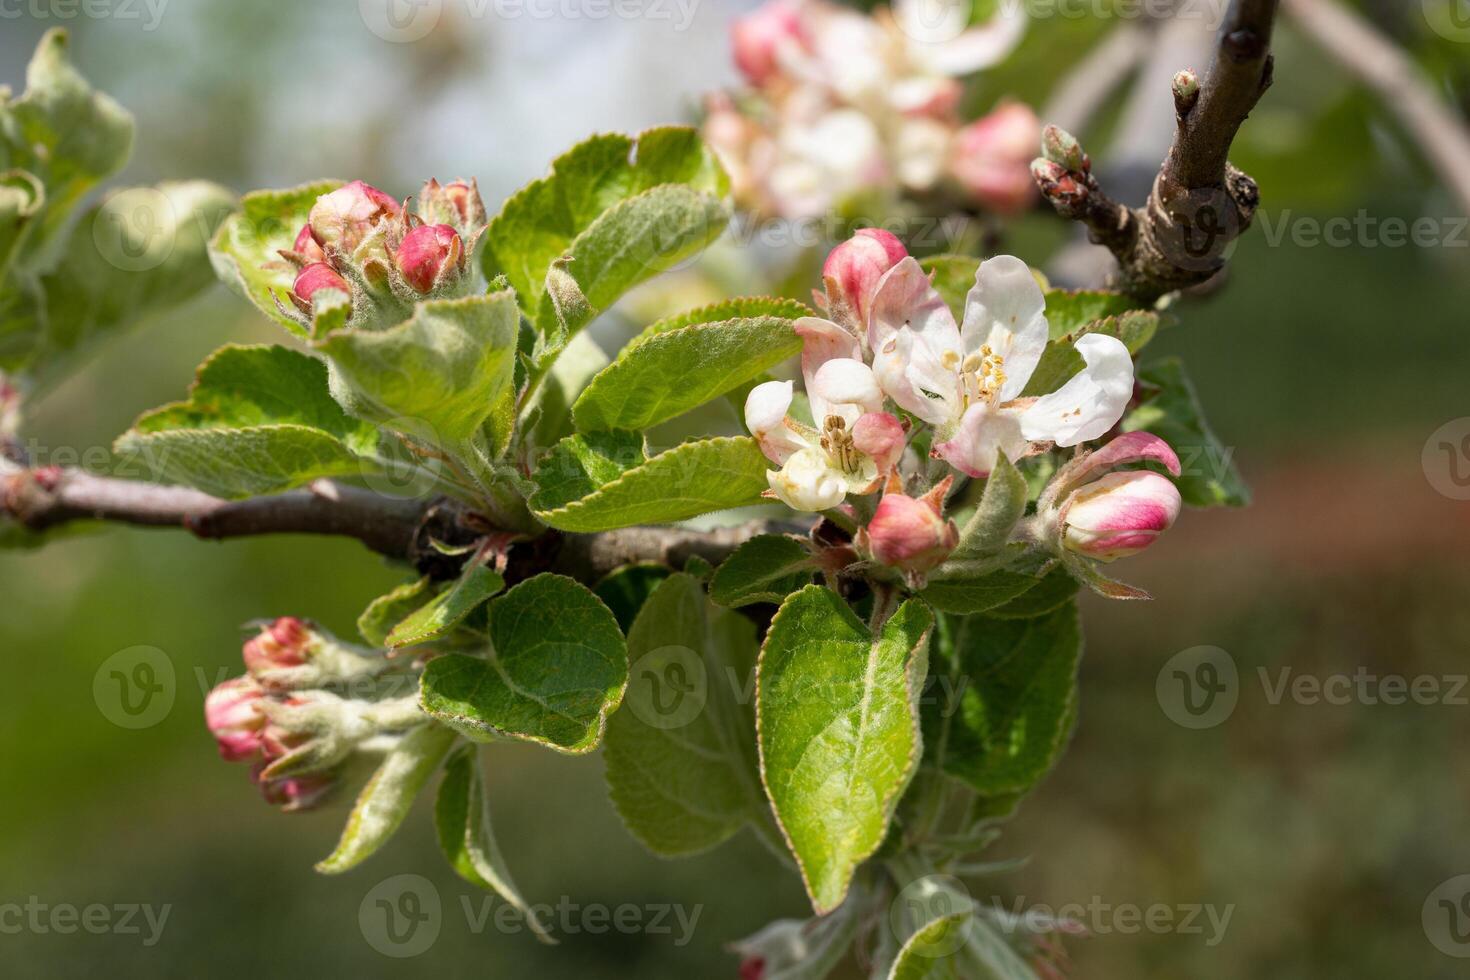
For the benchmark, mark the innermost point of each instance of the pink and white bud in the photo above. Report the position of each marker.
(317, 276)
(9, 408)
(430, 253)
(764, 39)
(1119, 515)
(882, 437)
(854, 268)
(285, 643)
(307, 246)
(347, 215)
(231, 712)
(457, 203)
(911, 533)
(992, 158)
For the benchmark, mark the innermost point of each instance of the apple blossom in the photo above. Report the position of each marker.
(910, 533)
(854, 269)
(346, 216)
(967, 381)
(457, 204)
(307, 247)
(315, 277)
(232, 715)
(766, 38)
(294, 794)
(992, 158)
(1119, 515)
(430, 254)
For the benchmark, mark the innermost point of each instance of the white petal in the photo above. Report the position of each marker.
(821, 341)
(808, 482)
(1007, 312)
(765, 417)
(978, 47)
(846, 388)
(1090, 404)
(906, 298)
(891, 365)
(984, 433)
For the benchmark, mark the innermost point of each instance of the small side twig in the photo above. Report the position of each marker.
(1199, 204)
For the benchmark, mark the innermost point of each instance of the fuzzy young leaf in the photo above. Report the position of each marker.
(1171, 410)
(681, 764)
(966, 595)
(258, 420)
(388, 795)
(554, 669)
(686, 481)
(767, 568)
(390, 609)
(675, 371)
(439, 616)
(740, 308)
(246, 249)
(1017, 685)
(462, 820)
(1054, 589)
(438, 375)
(1001, 506)
(622, 208)
(838, 728)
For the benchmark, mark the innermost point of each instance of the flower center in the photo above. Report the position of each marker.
(981, 376)
(837, 442)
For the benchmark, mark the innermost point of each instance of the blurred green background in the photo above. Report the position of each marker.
(1322, 827)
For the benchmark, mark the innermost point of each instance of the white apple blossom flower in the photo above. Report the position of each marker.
(967, 381)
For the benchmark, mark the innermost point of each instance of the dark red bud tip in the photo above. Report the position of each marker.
(316, 276)
(424, 253)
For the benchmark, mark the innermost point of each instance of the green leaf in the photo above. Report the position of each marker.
(388, 796)
(246, 249)
(1016, 681)
(548, 416)
(65, 133)
(1054, 589)
(740, 308)
(1001, 506)
(390, 609)
(838, 730)
(1069, 310)
(954, 277)
(555, 668)
(439, 616)
(438, 375)
(258, 420)
(767, 568)
(675, 371)
(975, 594)
(462, 820)
(681, 758)
(1171, 410)
(1060, 361)
(622, 209)
(960, 946)
(686, 481)
(626, 589)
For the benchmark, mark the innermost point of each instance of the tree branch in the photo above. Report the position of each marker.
(1199, 203)
(1363, 50)
(396, 528)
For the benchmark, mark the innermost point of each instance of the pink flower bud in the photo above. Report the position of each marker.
(9, 408)
(306, 246)
(761, 39)
(853, 269)
(1119, 515)
(752, 968)
(910, 533)
(316, 276)
(230, 712)
(346, 216)
(993, 156)
(285, 643)
(425, 254)
(456, 203)
(295, 793)
(881, 436)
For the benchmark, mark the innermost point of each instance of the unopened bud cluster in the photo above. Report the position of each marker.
(363, 247)
(286, 717)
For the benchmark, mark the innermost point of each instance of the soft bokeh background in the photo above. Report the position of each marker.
(1322, 828)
